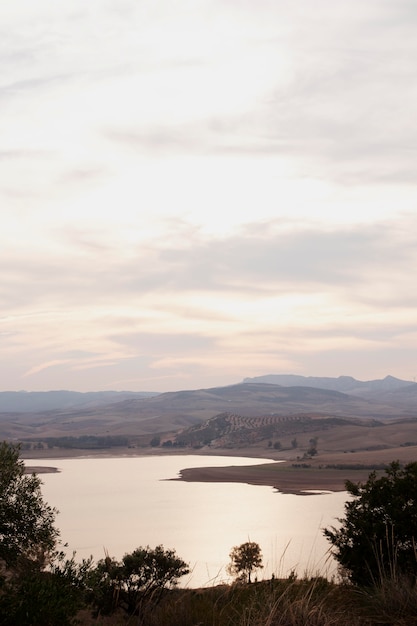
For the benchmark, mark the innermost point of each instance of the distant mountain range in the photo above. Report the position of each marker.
(345, 384)
(38, 415)
(33, 401)
(386, 389)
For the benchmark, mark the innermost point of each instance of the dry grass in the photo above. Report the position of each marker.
(290, 602)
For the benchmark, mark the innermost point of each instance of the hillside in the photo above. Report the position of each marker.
(280, 432)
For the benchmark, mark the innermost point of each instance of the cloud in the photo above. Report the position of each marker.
(341, 111)
(214, 183)
(92, 273)
(43, 366)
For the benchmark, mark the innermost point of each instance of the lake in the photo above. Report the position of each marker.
(119, 504)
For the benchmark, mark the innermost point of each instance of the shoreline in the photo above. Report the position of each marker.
(280, 476)
(278, 473)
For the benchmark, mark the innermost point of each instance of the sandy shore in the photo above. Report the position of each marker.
(327, 472)
(39, 469)
(281, 476)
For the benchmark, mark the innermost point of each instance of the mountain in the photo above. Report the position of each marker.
(133, 415)
(345, 384)
(384, 389)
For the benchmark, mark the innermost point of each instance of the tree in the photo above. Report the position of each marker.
(141, 577)
(27, 531)
(378, 536)
(38, 586)
(244, 560)
(312, 449)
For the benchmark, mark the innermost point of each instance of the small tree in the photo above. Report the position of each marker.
(244, 560)
(378, 536)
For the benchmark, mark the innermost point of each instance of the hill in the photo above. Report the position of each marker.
(34, 401)
(141, 414)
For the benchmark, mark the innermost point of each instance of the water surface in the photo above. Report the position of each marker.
(119, 504)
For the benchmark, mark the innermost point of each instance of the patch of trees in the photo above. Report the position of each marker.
(180, 442)
(312, 447)
(354, 466)
(229, 429)
(88, 442)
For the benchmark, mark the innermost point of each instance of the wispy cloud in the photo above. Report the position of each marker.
(43, 366)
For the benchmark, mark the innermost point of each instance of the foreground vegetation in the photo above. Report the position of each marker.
(290, 602)
(48, 601)
(375, 546)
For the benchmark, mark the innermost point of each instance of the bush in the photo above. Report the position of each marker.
(45, 598)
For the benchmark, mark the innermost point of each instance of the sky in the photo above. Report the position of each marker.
(195, 192)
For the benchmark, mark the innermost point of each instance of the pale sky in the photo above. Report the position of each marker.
(193, 192)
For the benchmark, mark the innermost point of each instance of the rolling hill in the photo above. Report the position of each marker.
(129, 414)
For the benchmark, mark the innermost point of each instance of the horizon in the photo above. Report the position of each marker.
(242, 381)
(190, 190)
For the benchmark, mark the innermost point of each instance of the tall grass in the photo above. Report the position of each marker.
(390, 601)
(313, 600)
